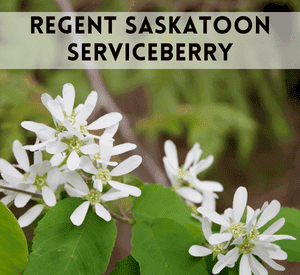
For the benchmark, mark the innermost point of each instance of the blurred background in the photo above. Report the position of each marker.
(248, 119)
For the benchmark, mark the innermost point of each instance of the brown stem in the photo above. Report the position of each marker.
(121, 209)
(105, 101)
(20, 191)
(123, 220)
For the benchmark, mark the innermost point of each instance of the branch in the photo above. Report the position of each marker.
(21, 191)
(123, 220)
(105, 101)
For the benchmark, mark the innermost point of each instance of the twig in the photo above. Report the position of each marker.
(20, 191)
(121, 209)
(105, 101)
(123, 220)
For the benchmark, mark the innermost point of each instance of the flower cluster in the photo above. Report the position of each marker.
(242, 236)
(184, 178)
(80, 160)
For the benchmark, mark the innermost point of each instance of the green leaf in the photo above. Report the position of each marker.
(13, 252)
(127, 266)
(291, 227)
(157, 201)
(162, 246)
(59, 247)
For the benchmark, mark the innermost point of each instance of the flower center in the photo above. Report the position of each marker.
(94, 197)
(253, 234)
(71, 118)
(103, 175)
(73, 143)
(39, 182)
(246, 247)
(26, 175)
(217, 249)
(96, 156)
(237, 228)
(182, 173)
(59, 129)
(83, 129)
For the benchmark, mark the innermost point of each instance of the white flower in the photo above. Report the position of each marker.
(179, 175)
(231, 220)
(247, 240)
(71, 135)
(103, 176)
(39, 177)
(74, 120)
(93, 197)
(201, 251)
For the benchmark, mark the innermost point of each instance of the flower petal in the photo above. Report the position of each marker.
(7, 199)
(102, 212)
(72, 192)
(269, 213)
(27, 218)
(84, 113)
(209, 200)
(256, 267)
(55, 147)
(219, 238)
(132, 190)
(79, 214)
(245, 266)
(48, 196)
(206, 228)
(74, 179)
(111, 130)
(170, 172)
(189, 194)
(98, 185)
(202, 165)
(22, 199)
(57, 159)
(55, 110)
(111, 196)
(190, 157)
(272, 229)
(171, 154)
(73, 161)
(45, 98)
(239, 203)
(208, 185)
(37, 157)
(126, 166)
(41, 168)
(68, 98)
(20, 155)
(33, 126)
(278, 254)
(105, 121)
(87, 166)
(227, 259)
(91, 99)
(199, 251)
(7, 168)
(90, 149)
(122, 148)
(213, 216)
(263, 237)
(268, 260)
